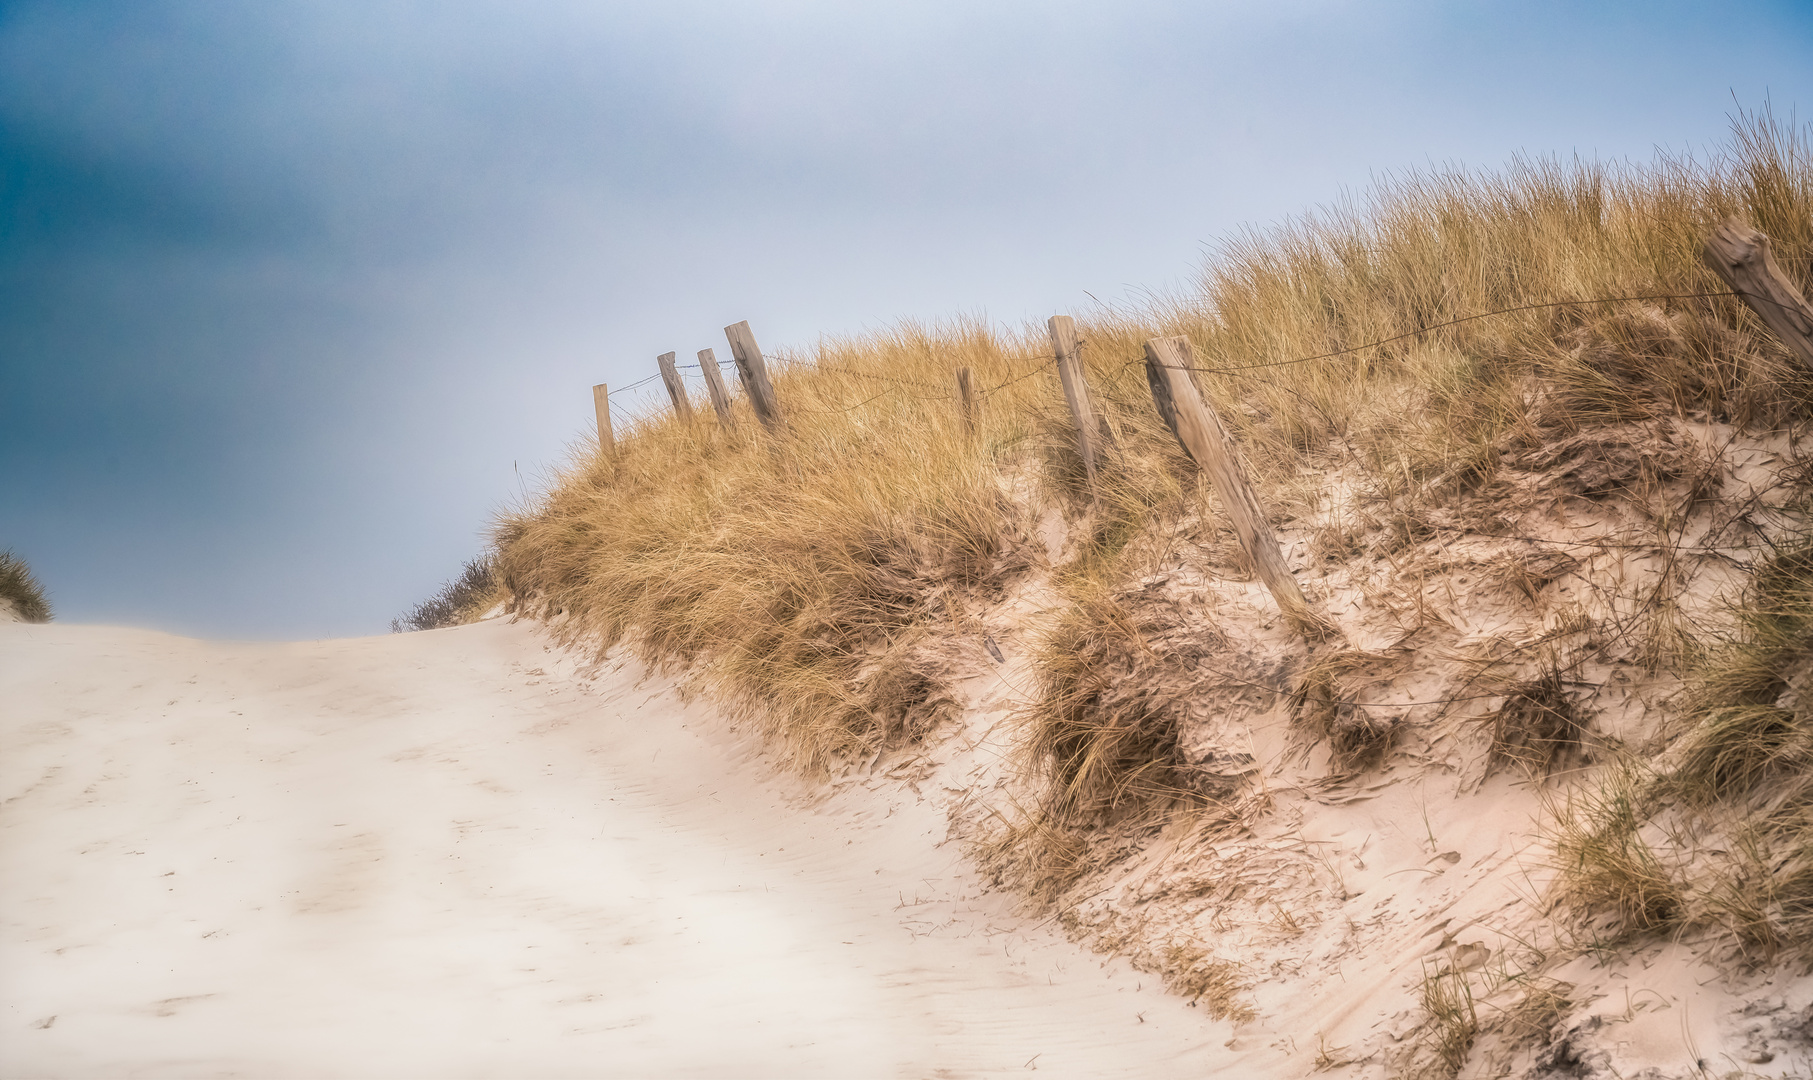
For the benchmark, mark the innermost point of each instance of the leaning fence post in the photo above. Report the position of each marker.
(601, 402)
(714, 382)
(1740, 255)
(1198, 428)
(1066, 347)
(966, 397)
(754, 372)
(670, 377)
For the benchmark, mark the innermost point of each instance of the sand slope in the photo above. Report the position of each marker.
(454, 854)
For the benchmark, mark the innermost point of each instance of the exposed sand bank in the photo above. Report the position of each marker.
(453, 854)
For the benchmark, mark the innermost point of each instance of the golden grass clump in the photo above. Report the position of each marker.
(1610, 869)
(1441, 397)
(20, 589)
(1110, 708)
(804, 577)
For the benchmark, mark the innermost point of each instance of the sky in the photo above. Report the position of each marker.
(294, 297)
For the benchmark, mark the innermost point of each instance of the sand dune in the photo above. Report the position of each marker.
(456, 853)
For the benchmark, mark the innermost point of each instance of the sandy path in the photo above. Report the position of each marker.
(451, 854)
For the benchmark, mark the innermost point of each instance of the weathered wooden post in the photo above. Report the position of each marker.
(966, 397)
(754, 372)
(670, 378)
(714, 382)
(601, 402)
(1067, 349)
(1198, 428)
(1740, 255)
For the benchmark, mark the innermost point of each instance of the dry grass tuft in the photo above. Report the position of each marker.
(1737, 749)
(1106, 723)
(1453, 1024)
(1538, 727)
(1610, 870)
(1324, 706)
(1213, 983)
(19, 588)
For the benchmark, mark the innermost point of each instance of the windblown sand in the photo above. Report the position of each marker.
(458, 853)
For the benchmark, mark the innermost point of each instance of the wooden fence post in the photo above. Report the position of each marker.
(1740, 255)
(714, 382)
(670, 377)
(966, 396)
(1198, 428)
(601, 402)
(1067, 349)
(754, 372)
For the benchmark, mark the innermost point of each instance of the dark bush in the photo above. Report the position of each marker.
(458, 601)
(21, 589)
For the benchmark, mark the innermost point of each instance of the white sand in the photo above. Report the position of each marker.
(451, 854)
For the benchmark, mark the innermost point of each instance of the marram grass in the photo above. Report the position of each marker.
(810, 577)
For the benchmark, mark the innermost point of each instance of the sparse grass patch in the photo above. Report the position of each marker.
(1738, 781)
(1041, 857)
(19, 588)
(1453, 1024)
(1540, 1006)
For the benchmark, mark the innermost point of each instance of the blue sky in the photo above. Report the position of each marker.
(294, 296)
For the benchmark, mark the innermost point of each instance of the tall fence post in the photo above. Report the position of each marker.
(670, 377)
(966, 397)
(601, 403)
(754, 372)
(1740, 255)
(714, 382)
(1198, 428)
(1067, 348)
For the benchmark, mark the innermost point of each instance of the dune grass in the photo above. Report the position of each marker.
(814, 578)
(19, 588)
(804, 577)
(461, 600)
(1717, 836)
